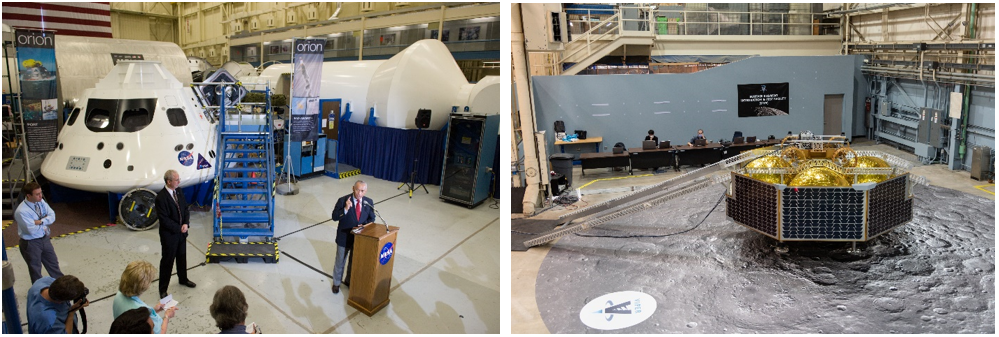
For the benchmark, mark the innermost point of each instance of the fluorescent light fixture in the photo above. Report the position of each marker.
(601, 115)
(599, 104)
(660, 112)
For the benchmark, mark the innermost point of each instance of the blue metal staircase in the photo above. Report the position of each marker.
(244, 191)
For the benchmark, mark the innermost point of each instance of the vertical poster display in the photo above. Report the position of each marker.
(39, 95)
(767, 99)
(307, 58)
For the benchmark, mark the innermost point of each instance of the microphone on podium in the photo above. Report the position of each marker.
(378, 214)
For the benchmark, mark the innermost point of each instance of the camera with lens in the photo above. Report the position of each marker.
(80, 300)
(83, 297)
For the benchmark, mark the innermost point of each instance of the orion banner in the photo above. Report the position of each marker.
(36, 67)
(767, 99)
(307, 60)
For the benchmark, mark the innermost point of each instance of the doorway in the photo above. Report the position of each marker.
(832, 122)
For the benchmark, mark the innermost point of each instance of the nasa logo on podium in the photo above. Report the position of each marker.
(618, 310)
(386, 253)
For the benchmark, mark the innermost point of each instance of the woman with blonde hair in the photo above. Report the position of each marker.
(135, 280)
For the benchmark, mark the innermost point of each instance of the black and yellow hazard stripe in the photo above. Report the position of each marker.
(82, 231)
(350, 173)
(209, 255)
(6, 223)
(71, 233)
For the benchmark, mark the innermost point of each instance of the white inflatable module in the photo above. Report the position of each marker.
(137, 123)
(423, 76)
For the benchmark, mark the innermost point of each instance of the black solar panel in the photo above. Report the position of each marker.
(754, 205)
(888, 206)
(822, 214)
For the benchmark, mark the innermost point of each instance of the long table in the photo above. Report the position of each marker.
(734, 149)
(651, 159)
(603, 160)
(637, 158)
(698, 155)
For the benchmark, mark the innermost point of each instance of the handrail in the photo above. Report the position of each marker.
(269, 139)
(717, 19)
(589, 41)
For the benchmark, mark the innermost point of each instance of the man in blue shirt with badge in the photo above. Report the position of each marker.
(34, 216)
(51, 308)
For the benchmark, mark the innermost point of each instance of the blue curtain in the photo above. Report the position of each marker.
(388, 153)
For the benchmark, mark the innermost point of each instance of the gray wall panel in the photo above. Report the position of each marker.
(622, 108)
(983, 114)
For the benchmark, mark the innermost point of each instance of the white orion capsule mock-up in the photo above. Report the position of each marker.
(127, 131)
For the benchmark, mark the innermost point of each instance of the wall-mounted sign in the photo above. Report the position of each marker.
(768, 99)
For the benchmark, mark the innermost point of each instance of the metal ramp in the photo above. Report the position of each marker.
(243, 205)
(645, 198)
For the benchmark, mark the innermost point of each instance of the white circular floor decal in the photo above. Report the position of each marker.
(618, 310)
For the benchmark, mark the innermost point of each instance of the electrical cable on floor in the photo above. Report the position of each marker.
(525, 233)
(564, 200)
(663, 235)
(306, 264)
(328, 220)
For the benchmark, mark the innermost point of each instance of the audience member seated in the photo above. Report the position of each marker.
(52, 305)
(229, 311)
(135, 280)
(135, 321)
(700, 135)
(652, 137)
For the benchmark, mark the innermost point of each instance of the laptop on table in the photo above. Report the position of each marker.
(648, 145)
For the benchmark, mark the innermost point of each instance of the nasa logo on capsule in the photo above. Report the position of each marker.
(185, 158)
(386, 253)
(618, 310)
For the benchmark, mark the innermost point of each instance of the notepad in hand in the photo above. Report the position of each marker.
(168, 302)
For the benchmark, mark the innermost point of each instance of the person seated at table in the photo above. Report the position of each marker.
(652, 137)
(700, 135)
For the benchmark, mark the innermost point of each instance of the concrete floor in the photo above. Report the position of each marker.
(446, 276)
(526, 317)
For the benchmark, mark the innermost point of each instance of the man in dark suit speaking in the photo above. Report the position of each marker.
(352, 211)
(175, 220)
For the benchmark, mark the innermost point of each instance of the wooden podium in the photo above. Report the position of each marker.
(371, 277)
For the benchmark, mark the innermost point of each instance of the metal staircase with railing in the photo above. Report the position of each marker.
(244, 190)
(601, 40)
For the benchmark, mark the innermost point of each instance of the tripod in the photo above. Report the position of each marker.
(412, 176)
(412, 181)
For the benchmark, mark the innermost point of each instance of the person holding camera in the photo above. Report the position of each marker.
(53, 303)
(135, 280)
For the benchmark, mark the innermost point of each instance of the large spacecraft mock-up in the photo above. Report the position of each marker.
(819, 189)
(125, 133)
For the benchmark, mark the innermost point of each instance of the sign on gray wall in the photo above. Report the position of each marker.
(767, 99)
